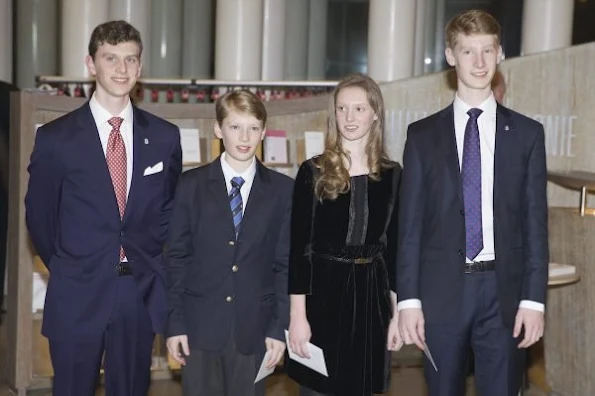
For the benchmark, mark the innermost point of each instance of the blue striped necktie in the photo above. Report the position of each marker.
(235, 202)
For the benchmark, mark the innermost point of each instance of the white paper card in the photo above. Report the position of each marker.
(314, 143)
(264, 371)
(316, 361)
(275, 147)
(190, 141)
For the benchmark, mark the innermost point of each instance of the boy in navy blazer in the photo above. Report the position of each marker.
(473, 239)
(227, 260)
(101, 186)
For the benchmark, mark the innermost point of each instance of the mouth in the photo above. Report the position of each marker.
(243, 149)
(480, 74)
(351, 128)
(120, 80)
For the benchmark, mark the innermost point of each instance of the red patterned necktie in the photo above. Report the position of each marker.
(116, 163)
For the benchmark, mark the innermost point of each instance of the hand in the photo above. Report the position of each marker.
(411, 324)
(394, 341)
(177, 345)
(276, 349)
(299, 336)
(533, 322)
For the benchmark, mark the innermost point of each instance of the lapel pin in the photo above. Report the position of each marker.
(506, 128)
(147, 140)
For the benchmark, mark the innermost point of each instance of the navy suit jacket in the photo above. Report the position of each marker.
(432, 223)
(73, 219)
(216, 281)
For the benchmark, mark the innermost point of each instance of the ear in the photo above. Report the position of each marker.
(90, 65)
(375, 117)
(450, 57)
(217, 130)
(264, 132)
(140, 68)
(499, 55)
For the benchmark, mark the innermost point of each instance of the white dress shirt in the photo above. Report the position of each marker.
(247, 175)
(487, 144)
(101, 117)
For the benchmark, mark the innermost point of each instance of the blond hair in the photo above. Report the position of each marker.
(468, 23)
(242, 101)
(333, 178)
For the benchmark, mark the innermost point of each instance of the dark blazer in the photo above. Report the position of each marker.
(73, 219)
(431, 250)
(214, 280)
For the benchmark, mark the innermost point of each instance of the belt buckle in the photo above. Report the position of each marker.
(361, 260)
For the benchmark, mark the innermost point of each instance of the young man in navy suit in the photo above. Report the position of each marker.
(101, 187)
(473, 240)
(227, 260)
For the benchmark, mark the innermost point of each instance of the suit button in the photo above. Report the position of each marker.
(121, 233)
(229, 298)
(462, 212)
(460, 252)
(231, 243)
(235, 268)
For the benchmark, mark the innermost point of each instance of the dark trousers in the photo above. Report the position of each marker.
(3, 240)
(223, 373)
(499, 363)
(309, 392)
(127, 344)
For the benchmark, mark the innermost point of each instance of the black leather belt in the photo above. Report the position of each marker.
(347, 260)
(479, 266)
(123, 269)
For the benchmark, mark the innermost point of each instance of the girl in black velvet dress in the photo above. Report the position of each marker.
(343, 250)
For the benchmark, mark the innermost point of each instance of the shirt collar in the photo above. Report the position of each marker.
(101, 115)
(230, 173)
(488, 106)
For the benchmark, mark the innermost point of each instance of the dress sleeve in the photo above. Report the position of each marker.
(392, 232)
(302, 212)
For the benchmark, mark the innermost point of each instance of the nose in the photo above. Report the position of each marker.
(479, 60)
(349, 115)
(121, 67)
(244, 135)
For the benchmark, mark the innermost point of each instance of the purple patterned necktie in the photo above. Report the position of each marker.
(471, 177)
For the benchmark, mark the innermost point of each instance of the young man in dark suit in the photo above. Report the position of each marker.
(473, 240)
(227, 260)
(102, 180)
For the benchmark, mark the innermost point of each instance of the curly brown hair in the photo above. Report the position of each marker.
(333, 178)
(114, 33)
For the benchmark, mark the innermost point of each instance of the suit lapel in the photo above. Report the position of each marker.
(218, 191)
(96, 157)
(446, 128)
(140, 133)
(505, 141)
(258, 191)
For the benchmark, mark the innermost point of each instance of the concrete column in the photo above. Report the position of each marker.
(420, 37)
(79, 18)
(547, 25)
(166, 38)
(197, 41)
(273, 40)
(238, 40)
(6, 40)
(317, 40)
(36, 40)
(391, 39)
(430, 36)
(296, 39)
(138, 14)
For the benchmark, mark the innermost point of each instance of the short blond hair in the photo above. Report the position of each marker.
(468, 23)
(241, 101)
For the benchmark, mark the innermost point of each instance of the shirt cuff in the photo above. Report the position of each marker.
(528, 304)
(408, 304)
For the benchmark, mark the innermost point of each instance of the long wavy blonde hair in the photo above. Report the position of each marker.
(333, 178)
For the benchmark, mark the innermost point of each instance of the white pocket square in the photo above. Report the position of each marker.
(151, 170)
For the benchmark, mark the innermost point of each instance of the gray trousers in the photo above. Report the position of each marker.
(223, 373)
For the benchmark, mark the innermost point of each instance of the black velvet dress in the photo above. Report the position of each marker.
(343, 258)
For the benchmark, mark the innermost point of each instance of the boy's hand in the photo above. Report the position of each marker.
(177, 345)
(276, 349)
(299, 335)
(394, 341)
